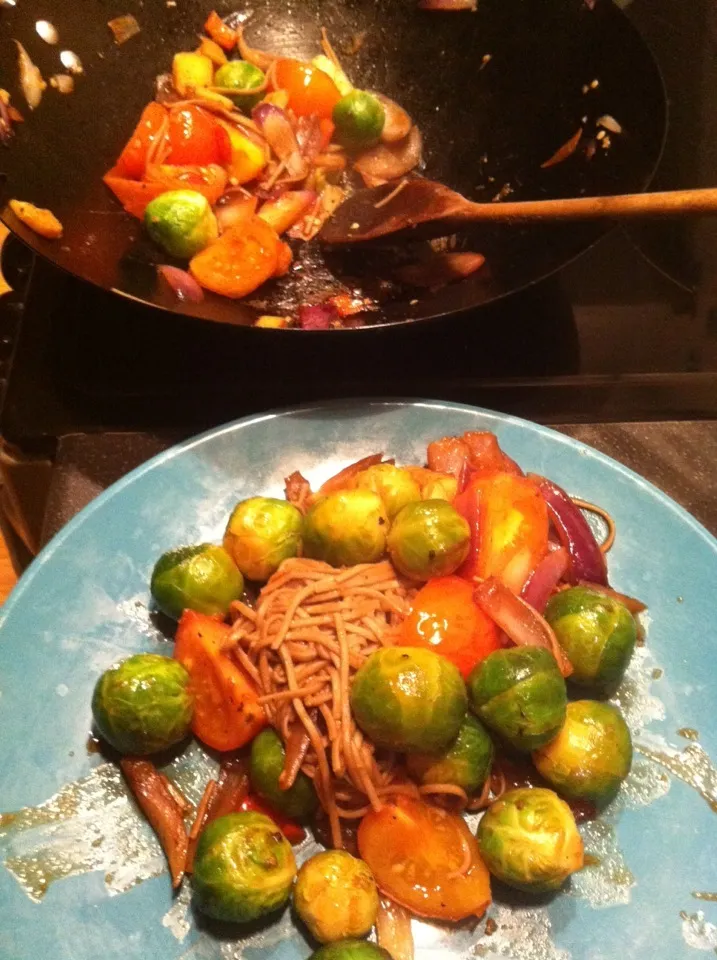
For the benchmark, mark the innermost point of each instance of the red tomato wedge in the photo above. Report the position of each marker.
(310, 90)
(446, 619)
(195, 138)
(220, 32)
(133, 159)
(425, 859)
(134, 195)
(226, 712)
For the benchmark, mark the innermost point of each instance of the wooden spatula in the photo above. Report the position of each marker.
(438, 211)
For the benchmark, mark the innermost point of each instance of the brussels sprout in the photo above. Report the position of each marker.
(428, 539)
(592, 754)
(351, 950)
(346, 528)
(243, 868)
(520, 694)
(409, 699)
(441, 488)
(143, 705)
(336, 897)
(597, 632)
(240, 75)
(359, 119)
(261, 534)
(395, 487)
(528, 839)
(466, 763)
(202, 578)
(182, 222)
(265, 765)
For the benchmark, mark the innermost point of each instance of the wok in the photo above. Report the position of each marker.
(495, 93)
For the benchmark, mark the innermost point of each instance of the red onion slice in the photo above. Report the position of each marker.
(183, 284)
(586, 559)
(545, 578)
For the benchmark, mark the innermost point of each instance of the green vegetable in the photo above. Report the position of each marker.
(143, 705)
(240, 75)
(261, 534)
(409, 699)
(597, 632)
(428, 539)
(359, 119)
(182, 222)
(202, 578)
(466, 763)
(351, 950)
(336, 896)
(243, 868)
(395, 487)
(528, 839)
(520, 694)
(346, 528)
(592, 754)
(265, 766)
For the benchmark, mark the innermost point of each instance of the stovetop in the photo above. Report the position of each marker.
(629, 331)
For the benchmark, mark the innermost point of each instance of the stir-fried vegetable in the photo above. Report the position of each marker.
(203, 578)
(466, 763)
(428, 539)
(336, 897)
(266, 765)
(244, 77)
(261, 533)
(359, 119)
(346, 527)
(182, 222)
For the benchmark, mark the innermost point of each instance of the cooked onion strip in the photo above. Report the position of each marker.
(609, 540)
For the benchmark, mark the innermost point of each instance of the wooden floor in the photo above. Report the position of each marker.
(8, 577)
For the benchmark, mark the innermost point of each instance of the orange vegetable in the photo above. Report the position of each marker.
(226, 712)
(246, 159)
(446, 619)
(425, 859)
(134, 195)
(133, 159)
(209, 180)
(196, 138)
(43, 222)
(220, 32)
(310, 90)
(212, 50)
(238, 262)
(327, 128)
(283, 260)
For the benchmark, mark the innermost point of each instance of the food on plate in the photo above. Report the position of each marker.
(143, 704)
(336, 897)
(41, 221)
(395, 487)
(203, 578)
(591, 754)
(181, 221)
(244, 868)
(465, 763)
(529, 840)
(428, 539)
(347, 527)
(351, 950)
(266, 764)
(261, 533)
(519, 693)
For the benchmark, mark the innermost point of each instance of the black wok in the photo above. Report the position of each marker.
(495, 93)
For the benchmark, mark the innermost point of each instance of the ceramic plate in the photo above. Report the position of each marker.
(83, 877)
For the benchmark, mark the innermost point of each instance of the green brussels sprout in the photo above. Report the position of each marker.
(351, 950)
(395, 487)
(240, 75)
(243, 867)
(143, 705)
(265, 765)
(597, 632)
(359, 119)
(520, 694)
(466, 763)
(428, 539)
(261, 534)
(528, 839)
(590, 756)
(441, 488)
(409, 699)
(202, 578)
(182, 222)
(336, 896)
(346, 528)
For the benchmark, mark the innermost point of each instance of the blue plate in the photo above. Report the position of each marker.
(83, 877)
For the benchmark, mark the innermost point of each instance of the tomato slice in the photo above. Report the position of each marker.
(220, 32)
(310, 90)
(209, 180)
(195, 137)
(134, 195)
(226, 712)
(446, 619)
(241, 259)
(425, 859)
(133, 159)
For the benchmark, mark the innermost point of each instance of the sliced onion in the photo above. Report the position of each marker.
(384, 162)
(586, 559)
(285, 211)
(545, 578)
(33, 86)
(234, 207)
(164, 91)
(398, 123)
(632, 603)
(521, 623)
(276, 127)
(330, 198)
(251, 54)
(393, 929)
(183, 284)
(455, 5)
(322, 316)
(308, 136)
(440, 269)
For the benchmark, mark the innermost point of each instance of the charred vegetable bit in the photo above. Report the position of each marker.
(42, 222)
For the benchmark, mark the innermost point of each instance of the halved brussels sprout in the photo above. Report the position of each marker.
(409, 699)
(519, 693)
(336, 896)
(182, 222)
(243, 76)
(263, 532)
(428, 539)
(202, 578)
(395, 486)
(243, 868)
(266, 763)
(351, 950)
(466, 763)
(346, 528)
(597, 632)
(144, 704)
(528, 839)
(591, 755)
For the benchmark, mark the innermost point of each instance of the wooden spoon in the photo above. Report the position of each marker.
(439, 211)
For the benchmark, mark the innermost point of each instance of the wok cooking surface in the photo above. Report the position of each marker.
(494, 93)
